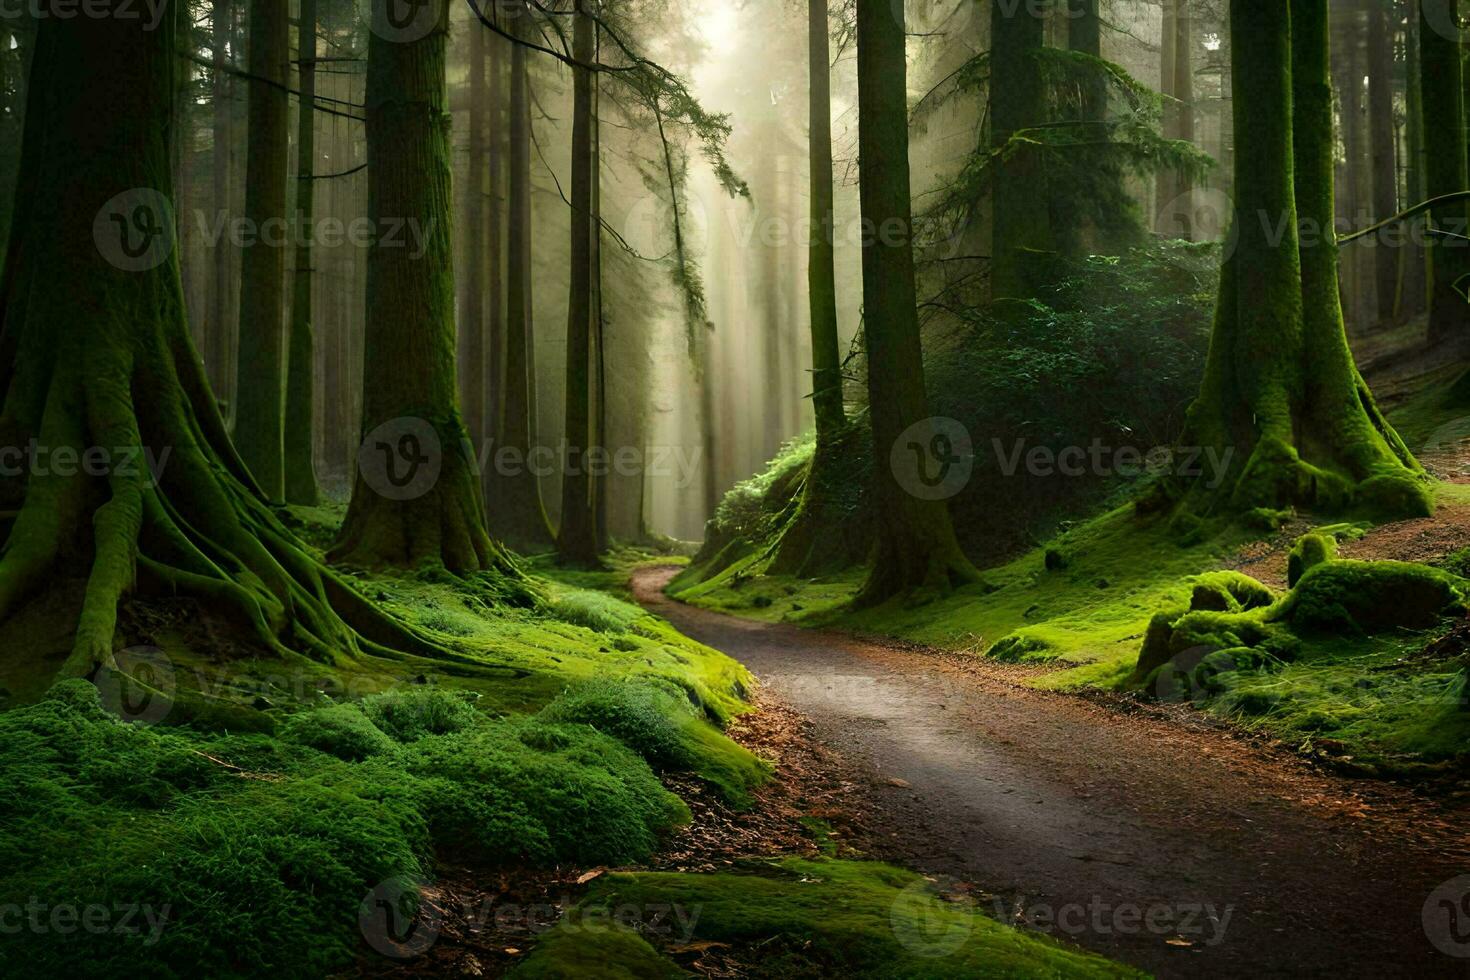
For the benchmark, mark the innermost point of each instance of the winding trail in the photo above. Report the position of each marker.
(1170, 845)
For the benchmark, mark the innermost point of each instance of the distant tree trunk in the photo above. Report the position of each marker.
(1442, 104)
(1183, 216)
(410, 412)
(813, 523)
(516, 510)
(1413, 269)
(1019, 225)
(1383, 140)
(476, 235)
(495, 236)
(576, 541)
(1084, 34)
(1167, 181)
(218, 332)
(300, 445)
(260, 381)
(1281, 393)
(916, 546)
(598, 472)
(107, 360)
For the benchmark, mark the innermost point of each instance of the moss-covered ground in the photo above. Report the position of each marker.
(798, 918)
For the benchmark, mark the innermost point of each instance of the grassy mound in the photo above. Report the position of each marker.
(252, 854)
(811, 917)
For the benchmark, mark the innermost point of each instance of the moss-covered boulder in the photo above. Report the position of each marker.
(1310, 551)
(1229, 592)
(1185, 638)
(1372, 596)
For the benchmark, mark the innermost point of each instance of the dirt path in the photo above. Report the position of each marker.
(1175, 848)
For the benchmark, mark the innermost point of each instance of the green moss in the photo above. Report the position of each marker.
(1229, 591)
(259, 850)
(342, 730)
(816, 918)
(597, 951)
(1309, 551)
(1371, 596)
(412, 713)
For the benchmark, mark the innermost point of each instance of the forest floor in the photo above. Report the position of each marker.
(1149, 834)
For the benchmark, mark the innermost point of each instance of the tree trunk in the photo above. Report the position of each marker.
(472, 296)
(260, 380)
(516, 510)
(1442, 103)
(300, 446)
(219, 329)
(1280, 393)
(577, 539)
(1183, 216)
(813, 523)
(1084, 34)
(1019, 226)
(1413, 269)
(417, 498)
(916, 546)
(495, 235)
(1383, 140)
(1167, 182)
(96, 353)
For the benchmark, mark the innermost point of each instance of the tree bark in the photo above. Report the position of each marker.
(1183, 90)
(260, 381)
(475, 241)
(1442, 104)
(300, 444)
(1281, 393)
(517, 513)
(218, 328)
(1019, 225)
(1384, 143)
(402, 514)
(916, 546)
(576, 541)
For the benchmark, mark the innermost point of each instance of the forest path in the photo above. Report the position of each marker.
(1073, 810)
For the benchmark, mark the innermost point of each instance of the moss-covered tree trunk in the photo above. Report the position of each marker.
(410, 408)
(808, 544)
(516, 511)
(96, 360)
(300, 444)
(576, 541)
(1020, 225)
(1445, 171)
(260, 391)
(916, 546)
(1280, 393)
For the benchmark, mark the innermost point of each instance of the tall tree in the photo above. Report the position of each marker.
(95, 351)
(1445, 170)
(1413, 269)
(517, 513)
(473, 298)
(300, 455)
(916, 546)
(260, 379)
(1384, 141)
(1281, 393)
(577, 538)
(1017, 103)
(218, 328)
(428, 509)
(798, 552)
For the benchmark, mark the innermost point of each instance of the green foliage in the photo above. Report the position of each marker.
(812, 918)
(254, 853)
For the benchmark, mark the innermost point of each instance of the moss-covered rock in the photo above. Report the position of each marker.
(1229, 591)
(1372, 596)
(1310, 551)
